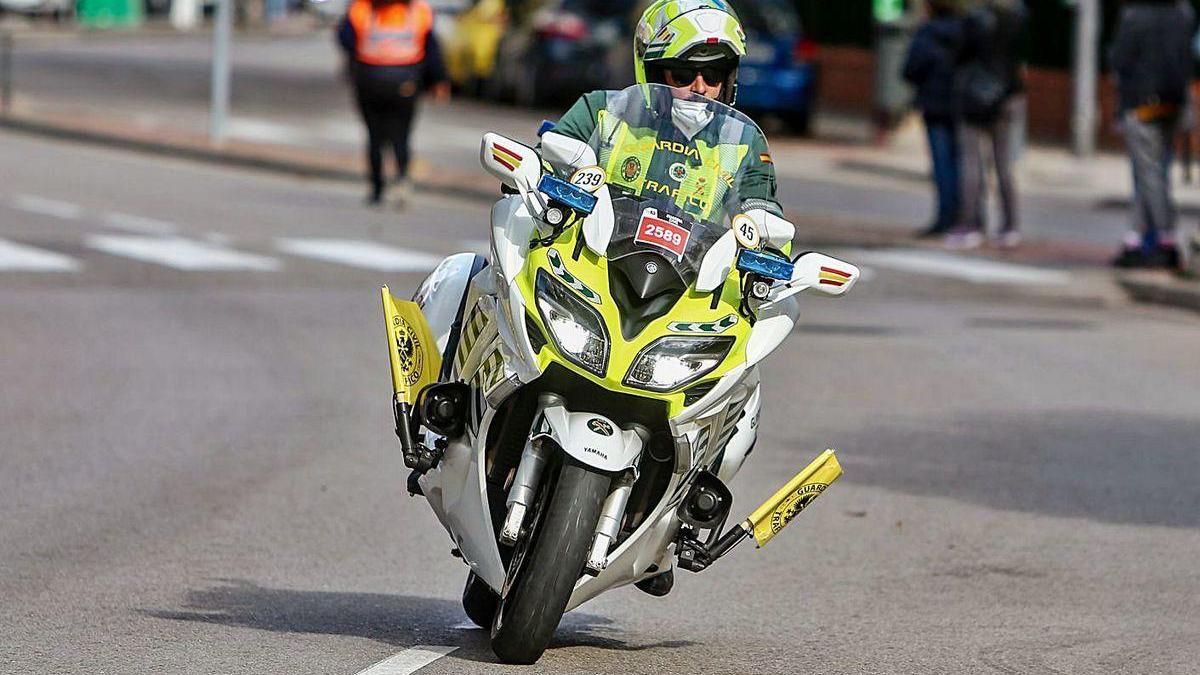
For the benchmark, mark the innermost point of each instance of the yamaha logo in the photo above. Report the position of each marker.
(600, 426)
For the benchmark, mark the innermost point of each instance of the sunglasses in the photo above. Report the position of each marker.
(679, 76)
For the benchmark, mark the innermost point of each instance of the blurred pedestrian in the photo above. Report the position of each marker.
(930, 68)
(992, 103)
(393, 56)
(1152, 60)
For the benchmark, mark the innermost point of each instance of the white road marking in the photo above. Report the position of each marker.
(15, 256)
(264, 130)
(48, 207)
(140, 224)
(356, 253)
(408, 661)
(179, 253)
(974, 270)
(481, 246)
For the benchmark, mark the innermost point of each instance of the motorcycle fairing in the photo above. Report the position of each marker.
(457, 491)
(442, 298)
(591, 271)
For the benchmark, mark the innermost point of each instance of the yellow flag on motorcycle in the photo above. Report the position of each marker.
(768, 519)
(411, 347)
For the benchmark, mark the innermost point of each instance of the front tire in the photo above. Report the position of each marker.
(546, 574)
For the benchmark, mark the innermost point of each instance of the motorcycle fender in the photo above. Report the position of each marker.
(593, 440)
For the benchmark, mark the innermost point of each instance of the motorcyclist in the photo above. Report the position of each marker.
(694, 47)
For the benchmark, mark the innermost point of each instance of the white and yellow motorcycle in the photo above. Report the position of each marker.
(572, 406)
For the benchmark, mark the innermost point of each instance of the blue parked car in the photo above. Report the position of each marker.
(778, 75)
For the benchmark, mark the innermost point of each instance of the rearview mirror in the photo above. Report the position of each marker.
(516, 165)
(823, 273)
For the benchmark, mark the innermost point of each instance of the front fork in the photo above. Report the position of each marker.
(528, 477)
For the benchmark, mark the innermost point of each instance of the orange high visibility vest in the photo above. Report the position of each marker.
(393, 34)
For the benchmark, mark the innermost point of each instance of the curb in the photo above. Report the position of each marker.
(1160, 288)
(244, 158)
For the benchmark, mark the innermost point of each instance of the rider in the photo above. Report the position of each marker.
(692, 46)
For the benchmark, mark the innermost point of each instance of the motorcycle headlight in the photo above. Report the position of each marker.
(671, 362)
(576, 328)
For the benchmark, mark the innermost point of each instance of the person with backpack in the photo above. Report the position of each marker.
(1151, 58)
(992, 103)
(930, 68)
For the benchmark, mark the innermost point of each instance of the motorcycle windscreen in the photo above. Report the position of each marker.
(768, 519)
(412, 352)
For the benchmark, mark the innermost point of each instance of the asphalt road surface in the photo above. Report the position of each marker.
(198, 472)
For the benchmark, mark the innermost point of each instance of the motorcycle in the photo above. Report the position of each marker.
(573, 406)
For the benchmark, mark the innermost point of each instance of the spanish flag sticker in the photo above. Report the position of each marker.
(765, 158)
(505, 157)
(834, 277)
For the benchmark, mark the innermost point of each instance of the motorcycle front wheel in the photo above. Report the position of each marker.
(545, 566)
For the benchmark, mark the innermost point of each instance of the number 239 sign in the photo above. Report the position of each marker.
(664, 231)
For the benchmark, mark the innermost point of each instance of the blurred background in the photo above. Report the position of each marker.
(197, 467)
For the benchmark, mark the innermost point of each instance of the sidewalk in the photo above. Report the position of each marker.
(292, 113)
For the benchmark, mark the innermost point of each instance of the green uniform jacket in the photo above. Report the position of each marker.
(756, 176)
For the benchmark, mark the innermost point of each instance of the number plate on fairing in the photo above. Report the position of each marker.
(665, 232)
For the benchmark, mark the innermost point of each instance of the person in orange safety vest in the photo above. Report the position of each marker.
(393, 56)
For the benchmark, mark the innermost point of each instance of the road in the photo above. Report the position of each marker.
(198, 472)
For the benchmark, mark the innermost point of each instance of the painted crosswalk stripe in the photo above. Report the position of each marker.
(948, 265)
(408, 661)
(19, 257)
(140, 224)
(179, 253)
(48, 207)
(357, 253)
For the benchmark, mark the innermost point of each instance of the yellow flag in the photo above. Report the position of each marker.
(412, 351)
(768, 519)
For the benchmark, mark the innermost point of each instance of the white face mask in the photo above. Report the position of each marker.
(690, 116)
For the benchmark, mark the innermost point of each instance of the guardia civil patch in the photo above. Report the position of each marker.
(719, 326)
(631, 168)
(560, 271)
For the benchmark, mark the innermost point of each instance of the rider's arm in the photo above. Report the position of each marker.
(757, 181)
(757, 186)
(580, 121)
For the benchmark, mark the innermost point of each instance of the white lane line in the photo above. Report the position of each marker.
(179, 253)
(357, 253)
(408, 661)
(481, 246)
(15, 256)
(48, 207)
(974, 270)
(139, 224)
(265, 130)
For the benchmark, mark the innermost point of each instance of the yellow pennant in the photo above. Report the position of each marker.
(768, 519)
(411, 348)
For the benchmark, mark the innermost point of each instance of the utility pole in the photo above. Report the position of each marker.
(222, 36)
(1086, 75)
(6, 49)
